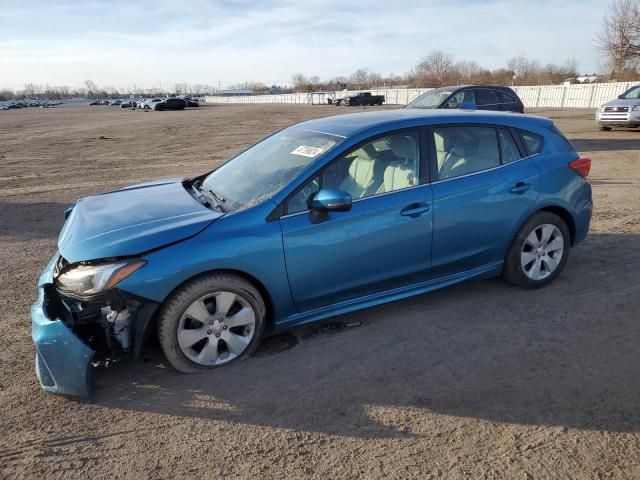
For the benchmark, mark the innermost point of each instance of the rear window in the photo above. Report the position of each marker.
(506, 98)
(532, 142)
(564, 145)
(484, 96)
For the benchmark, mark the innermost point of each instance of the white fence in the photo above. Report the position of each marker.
(589, 95)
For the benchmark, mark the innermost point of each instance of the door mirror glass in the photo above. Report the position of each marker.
(331, 200)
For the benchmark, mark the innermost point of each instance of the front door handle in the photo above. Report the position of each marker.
(521, 187)
(414, 210)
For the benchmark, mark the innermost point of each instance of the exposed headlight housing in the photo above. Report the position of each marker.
(93, 279)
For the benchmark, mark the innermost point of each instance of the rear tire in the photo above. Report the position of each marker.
(211, 322)
(538, 252)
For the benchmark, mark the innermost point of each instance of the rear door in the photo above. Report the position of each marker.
(487, 99)
(484, 187)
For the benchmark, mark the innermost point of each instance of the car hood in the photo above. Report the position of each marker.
(132, 221)
(622, 102)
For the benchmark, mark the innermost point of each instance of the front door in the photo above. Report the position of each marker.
(383, 242)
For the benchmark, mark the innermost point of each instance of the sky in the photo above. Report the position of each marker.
(151, 43)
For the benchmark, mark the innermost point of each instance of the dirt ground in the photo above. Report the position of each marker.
(482, 380)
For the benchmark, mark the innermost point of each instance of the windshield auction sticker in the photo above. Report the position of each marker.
(307, 151)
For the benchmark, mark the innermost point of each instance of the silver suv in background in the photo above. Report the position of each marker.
(623, 112)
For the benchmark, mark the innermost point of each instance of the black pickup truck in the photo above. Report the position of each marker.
(362, 98)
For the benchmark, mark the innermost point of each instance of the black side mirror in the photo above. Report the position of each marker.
(621, 96)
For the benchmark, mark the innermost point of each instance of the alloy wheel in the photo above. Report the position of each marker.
(542, 251)
(216, 328)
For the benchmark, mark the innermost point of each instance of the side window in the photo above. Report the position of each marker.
(382, 165)
(459, 98)
(532, 141)
(299, 202)
(486, 96)
(464, 150)
(508, 148)
(506, 98)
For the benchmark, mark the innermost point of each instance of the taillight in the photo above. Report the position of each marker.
(581, 165)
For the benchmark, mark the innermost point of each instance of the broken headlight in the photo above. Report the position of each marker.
(93, 279)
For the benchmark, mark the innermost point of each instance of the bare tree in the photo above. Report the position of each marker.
(527, 71)
(92, 88)
(619, 37)
(300, 82)
(435, 69)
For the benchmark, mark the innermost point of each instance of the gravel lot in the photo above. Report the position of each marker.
(481, 380)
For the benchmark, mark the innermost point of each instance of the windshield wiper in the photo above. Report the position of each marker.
(217, 197)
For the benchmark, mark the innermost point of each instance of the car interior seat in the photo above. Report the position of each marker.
(402, 172)
(364, 176)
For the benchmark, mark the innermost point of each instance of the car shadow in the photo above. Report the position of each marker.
(605, 144)
(565, 355)
(32, 220)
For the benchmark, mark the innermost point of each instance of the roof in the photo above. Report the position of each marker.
(353, 123)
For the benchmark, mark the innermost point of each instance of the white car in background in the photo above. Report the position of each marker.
(148, 103)
(623, 112)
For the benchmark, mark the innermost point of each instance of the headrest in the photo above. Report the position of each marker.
(403, 146)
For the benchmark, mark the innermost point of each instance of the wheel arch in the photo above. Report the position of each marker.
(266, 297)
(558, 210)
(566, 217)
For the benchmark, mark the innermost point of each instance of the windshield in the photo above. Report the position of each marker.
(632, 94)
(264, 169)
(432, 99)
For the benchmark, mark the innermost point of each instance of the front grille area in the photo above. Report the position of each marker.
(616, 109)
(614, 116)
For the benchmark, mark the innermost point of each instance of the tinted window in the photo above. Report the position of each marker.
(508, 148)
(506, 98)
(459, 98)
(532, 141)
(464, 150)
(380, 166)
(485, 96)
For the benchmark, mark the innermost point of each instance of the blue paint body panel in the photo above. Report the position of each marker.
(307, 270)
(63, 361)
(131, 221)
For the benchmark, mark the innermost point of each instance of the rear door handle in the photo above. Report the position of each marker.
(521, 187)
(414, 210)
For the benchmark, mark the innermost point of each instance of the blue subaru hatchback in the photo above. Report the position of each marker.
(322, 218)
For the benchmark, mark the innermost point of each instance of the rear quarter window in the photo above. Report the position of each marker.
(506, 98)
(532, 142)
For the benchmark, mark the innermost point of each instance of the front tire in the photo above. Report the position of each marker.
(538, 252)
(210, 322)
(604, 129)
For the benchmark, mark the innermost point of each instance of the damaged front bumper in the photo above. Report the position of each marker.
(71, 335)
(63, 361)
